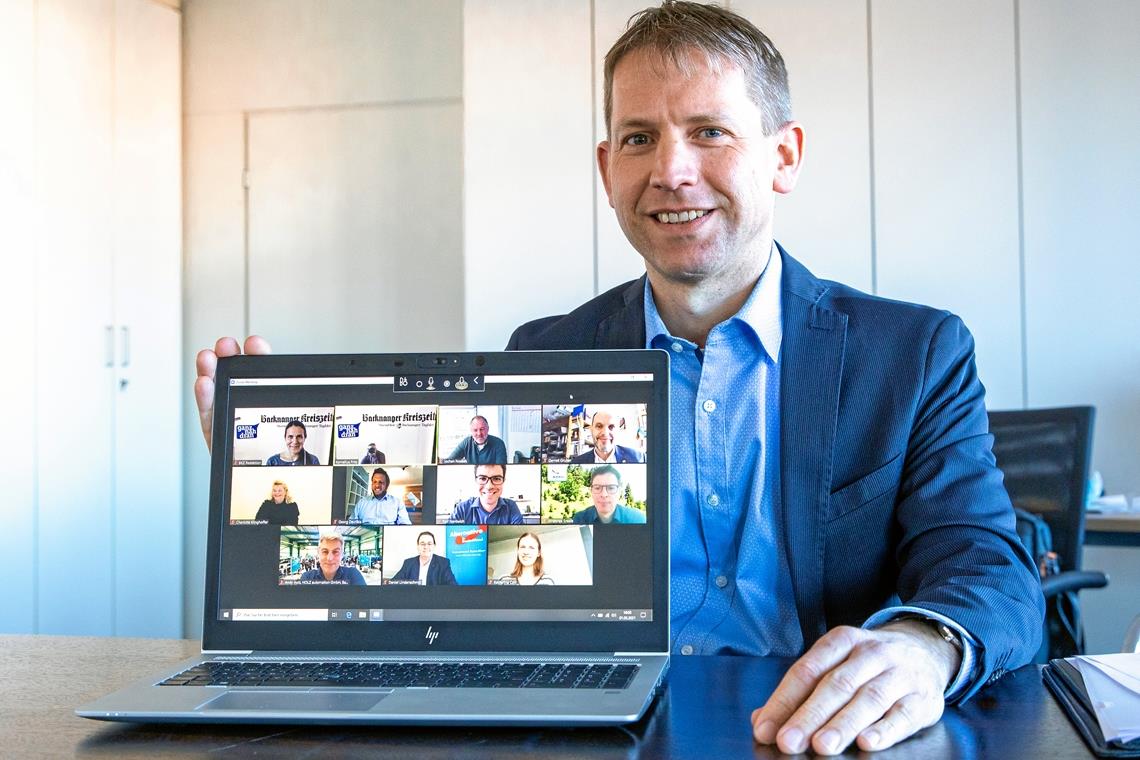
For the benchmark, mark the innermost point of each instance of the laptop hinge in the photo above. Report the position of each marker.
(227, 651)
(640, 654)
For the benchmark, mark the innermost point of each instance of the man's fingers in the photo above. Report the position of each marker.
(206, 364)
(227, 347)
(204, 397)
(870, 703)
(801, 680)
(909, 715)
(255, 344)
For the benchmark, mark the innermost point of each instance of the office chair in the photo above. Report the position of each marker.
(1044, 455)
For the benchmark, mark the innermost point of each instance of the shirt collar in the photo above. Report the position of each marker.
(761, 312)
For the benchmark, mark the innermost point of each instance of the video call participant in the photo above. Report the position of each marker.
(380, 507)
(426, 567)
(279, 508)
(605, 491)
(528, 564)
(294, 453)
(489, 507)
(330, 551)
(602, 428)
(863, 392)
(373, 455)
(480, 447)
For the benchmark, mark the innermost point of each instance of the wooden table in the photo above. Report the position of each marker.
(1114, 529)
(703, 714)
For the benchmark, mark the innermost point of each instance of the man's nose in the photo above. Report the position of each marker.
(674, 164)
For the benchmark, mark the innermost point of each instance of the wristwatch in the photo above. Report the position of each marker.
(948, 634)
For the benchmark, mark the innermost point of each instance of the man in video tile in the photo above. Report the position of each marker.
(380, 507)
(603, 425)
(373, 455)
(294, 453)
(480, 447)
(426, 567)
(605, 491)
(490, 507)
(330, 552)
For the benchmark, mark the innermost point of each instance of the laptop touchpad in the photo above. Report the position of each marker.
(295, 701)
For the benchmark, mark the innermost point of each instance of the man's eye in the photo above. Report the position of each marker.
(638, 139)
(712, 132)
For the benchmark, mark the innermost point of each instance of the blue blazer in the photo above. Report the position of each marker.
(438, 574)
(622, 455)
(889, 487)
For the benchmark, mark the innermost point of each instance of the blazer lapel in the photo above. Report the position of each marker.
(625, 328)
(811, 368)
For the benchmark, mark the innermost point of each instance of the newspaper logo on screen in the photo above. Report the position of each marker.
(348, 430)
(246, 432)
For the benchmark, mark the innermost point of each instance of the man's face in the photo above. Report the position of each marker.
(604, 490)
(426, 547)
(693, 146)
(329, 555)
(294, 440)
(602, 428)
(479, 430)
(489, 490)
(379, 484)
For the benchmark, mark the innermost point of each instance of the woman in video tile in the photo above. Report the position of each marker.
(528, 564)
(279, 508)
(294, 453)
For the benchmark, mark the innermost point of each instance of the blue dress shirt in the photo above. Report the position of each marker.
(383, 511)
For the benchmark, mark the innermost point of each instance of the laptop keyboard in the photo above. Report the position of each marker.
(517, 675)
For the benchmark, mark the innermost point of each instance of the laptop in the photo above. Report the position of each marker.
(394, 536)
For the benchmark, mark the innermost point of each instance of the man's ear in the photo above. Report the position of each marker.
(789, 157)
(603, 154)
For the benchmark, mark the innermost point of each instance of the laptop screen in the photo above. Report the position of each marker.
(452, 501)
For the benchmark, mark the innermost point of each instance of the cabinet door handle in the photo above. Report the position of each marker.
(109, 345)
(125, 335)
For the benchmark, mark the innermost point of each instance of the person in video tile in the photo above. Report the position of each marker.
(294, 453)
(605, 492)
(279, 508)
(426, 567)
(380, 507)
(603, 425)
(330, 551)
(373, 455)
(528, 564)
(490, 507)
(480, 447)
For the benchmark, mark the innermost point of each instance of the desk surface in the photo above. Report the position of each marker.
(703, 713)
(1112, 529)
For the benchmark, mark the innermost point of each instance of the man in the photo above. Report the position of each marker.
(330, 551)
(373, 455)
(480, 447)
(426, 568)
(602, 428)
(830, 454)
(605, 490)
(490, 507)
(294, 453)
(380, 507)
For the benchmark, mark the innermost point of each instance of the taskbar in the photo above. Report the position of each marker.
(374, 615)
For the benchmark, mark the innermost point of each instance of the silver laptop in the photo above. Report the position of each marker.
(393, 536)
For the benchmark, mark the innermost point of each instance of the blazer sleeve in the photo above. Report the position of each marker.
(444, 576)
(405, 573)
(959, 554)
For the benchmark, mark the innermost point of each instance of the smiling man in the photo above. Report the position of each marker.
(330, 554)
(480, 447)
(603, 430)
(490, 507)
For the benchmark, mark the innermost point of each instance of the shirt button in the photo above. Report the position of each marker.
(687, 649)
(709, 406)
(713, 500)
(721, 581)
(678, 348)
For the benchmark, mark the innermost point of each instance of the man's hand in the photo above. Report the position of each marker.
(874, 687)
(207, 364)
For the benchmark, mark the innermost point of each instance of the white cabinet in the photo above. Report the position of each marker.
(98, 481)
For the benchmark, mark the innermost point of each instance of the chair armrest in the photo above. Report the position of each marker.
(1072, 580)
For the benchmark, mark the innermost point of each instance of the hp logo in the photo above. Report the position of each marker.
(431, 636)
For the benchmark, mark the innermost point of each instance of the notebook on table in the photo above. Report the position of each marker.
(391, 536)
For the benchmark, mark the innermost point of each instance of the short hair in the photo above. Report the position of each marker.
(425, 533)
(537, 560)
(678, 29)
(297, 423)
(281, 483)
(382, 471)
(479, 417)
(332, 537)
(492, 464)
(603, 470)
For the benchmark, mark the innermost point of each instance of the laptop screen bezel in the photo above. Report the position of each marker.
(459, 636)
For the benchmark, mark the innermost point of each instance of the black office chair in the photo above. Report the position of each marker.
(1044, 454)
